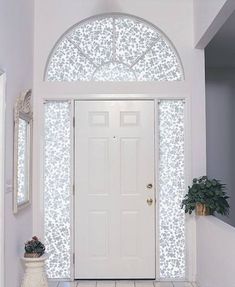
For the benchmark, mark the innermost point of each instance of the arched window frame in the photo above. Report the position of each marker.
(115, 16)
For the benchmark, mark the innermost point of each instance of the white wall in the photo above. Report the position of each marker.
(16, 59)
(209, 16)
(204, 13)
(215, 253)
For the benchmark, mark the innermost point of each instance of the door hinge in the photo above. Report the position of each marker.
(73, 189)
(73, 121)
(73, 258)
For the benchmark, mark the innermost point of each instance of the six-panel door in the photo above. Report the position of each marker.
(114, 190)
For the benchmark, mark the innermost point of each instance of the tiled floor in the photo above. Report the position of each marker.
(139, 283)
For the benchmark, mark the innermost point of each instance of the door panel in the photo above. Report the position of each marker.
(130, 234)
(98, 234)
(114, 163)
(98, 165)
(129, 166)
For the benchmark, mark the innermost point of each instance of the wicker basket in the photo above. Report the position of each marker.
(202, 209)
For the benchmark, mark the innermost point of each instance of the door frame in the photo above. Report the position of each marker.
(156, 207)
(2, 173)
(190, 222)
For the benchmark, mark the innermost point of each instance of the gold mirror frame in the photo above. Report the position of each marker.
(23, 117)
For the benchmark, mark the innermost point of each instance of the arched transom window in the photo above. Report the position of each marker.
(114, 47)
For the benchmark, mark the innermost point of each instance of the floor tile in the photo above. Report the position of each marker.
(182, 284)
(125, 283)
(105, 283)
(67, 284)
(86, 283)
(144, 283)
(163, 284)
(120, 283)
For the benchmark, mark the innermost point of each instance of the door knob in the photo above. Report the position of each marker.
(150, 201)
(150, 186)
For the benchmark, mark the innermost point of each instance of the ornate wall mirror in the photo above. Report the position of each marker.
(22, 152)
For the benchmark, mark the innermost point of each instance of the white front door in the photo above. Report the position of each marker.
(114, 190)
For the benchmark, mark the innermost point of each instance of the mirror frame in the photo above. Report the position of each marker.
(23, 111)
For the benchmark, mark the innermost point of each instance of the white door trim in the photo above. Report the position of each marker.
(2, 162)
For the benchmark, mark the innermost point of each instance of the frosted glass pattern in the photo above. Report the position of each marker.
(171, 189)
(95, 39)
(114, 47)
(73, 68)
(22, 195)
(57, 187)
(114, 72)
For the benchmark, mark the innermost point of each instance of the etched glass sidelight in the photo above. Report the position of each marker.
(171, 189)
(115, 47)
(57, 188)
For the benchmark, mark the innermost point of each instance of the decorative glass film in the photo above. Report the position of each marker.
(57, 188)
(22, 195)
(114, 47)
(171, 189)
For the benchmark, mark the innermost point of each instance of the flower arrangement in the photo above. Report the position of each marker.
(34, 248)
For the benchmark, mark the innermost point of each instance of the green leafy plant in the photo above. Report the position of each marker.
(34, 246)
(210, 193)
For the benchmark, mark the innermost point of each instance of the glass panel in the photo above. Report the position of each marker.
(22, 173)
(133, 39)
(160, 63)
(69, 64)
(172, 189)
(95, 39)
(57, 187)
(114, 72)
(115, 43)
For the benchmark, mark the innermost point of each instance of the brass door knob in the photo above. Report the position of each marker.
(150, 201)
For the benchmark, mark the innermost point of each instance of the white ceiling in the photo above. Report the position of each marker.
(220, 52)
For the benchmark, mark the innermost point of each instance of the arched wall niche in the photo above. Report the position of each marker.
(113, 47)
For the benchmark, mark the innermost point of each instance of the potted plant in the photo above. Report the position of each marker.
(34, 248)
(206, 197)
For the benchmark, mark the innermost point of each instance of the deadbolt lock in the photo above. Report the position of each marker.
(150, 201)
(150, 186)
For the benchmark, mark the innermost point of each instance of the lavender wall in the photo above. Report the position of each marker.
(220, 117)
(16, 59)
